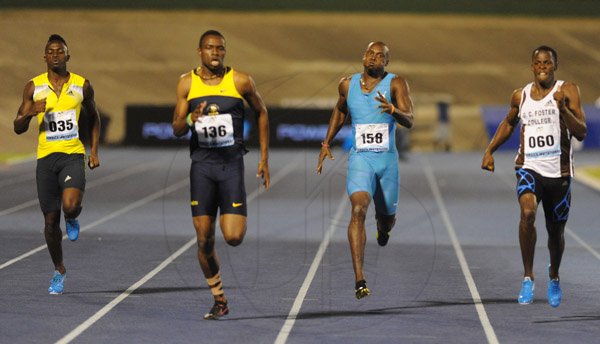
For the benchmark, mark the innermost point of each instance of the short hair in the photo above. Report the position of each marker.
(548, 49)
(386, 48)
(56, 38)
(209, 33)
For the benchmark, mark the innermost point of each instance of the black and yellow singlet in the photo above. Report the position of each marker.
(59, 132)
(217, 137)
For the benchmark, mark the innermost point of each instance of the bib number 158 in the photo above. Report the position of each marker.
(369, 138)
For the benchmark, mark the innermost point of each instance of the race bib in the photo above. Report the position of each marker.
(541, 141)
(61, 125)
(215, 131)
(372, 137)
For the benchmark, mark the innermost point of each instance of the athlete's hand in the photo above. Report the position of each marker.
(39, 106)
(385, 106)
(93, 161)
(263, 172)
(488, 162)
(198, 112)
(325, 152)
(559, 96)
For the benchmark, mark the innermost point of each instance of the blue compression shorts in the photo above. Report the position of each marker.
(377, 174)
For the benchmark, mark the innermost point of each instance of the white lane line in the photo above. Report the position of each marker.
(483, 318)
(286, 329)
(18, 179)
(91, 320)
(582, 243)
(101, 181)
(110, 216)
(102, 312)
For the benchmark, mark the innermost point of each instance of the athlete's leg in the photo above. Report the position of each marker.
(556, 245)
(232, 202)
(557, 204)
(527, 231)
(207, 255)
(71, 202)
(49, 196)
(386, 197)
(233, 227)
(385, 223)
(53, 236)
(356, 231)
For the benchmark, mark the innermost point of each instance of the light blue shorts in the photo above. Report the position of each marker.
(377, 174)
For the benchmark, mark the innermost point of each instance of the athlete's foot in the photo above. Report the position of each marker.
(218, 310)
(57, 283)
(361, 290)
(72, 229)
(382, 237)
(526, 293)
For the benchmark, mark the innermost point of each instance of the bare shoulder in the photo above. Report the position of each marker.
(243, 82)
(399, 78)
(240, 77)
(88, 90)
(515, 98)
(569, 86)
(185, 76)
(344, 84)
(399, 81)
(185, 81)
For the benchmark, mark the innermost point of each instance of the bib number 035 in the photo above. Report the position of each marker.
(61, 125)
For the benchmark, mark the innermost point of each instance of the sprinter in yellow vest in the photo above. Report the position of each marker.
(210, 102)
(55, 98)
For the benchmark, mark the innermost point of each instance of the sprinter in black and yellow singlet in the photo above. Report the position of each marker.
(210, 102)
(56, 98)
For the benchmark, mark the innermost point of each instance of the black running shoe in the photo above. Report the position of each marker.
(382, 237)
(218, 310)
(361, 290)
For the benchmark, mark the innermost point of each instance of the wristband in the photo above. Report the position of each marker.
(188, 119)
(324, 145)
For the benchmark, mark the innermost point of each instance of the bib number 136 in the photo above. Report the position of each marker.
(215, 131)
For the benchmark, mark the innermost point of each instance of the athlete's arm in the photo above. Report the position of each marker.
(246, 85)
(89, 104)
(568, 100)
(28, 109)
(504, 131)
(401, 107)
(179, 124)
(338, 117)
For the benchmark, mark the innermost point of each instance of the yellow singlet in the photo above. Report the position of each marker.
(59, 131)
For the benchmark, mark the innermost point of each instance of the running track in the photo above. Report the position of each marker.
(451, 272)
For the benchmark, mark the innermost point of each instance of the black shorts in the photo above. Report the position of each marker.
(554, 193)
(56, 172)
(218, 186)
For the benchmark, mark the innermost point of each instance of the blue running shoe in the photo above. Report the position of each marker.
(72, 229)
(526, 293)
(554, 293)
(57, 283)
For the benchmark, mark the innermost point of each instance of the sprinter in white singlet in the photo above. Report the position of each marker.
(550, 113)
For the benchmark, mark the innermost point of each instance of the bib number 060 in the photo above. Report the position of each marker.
(541, 141)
